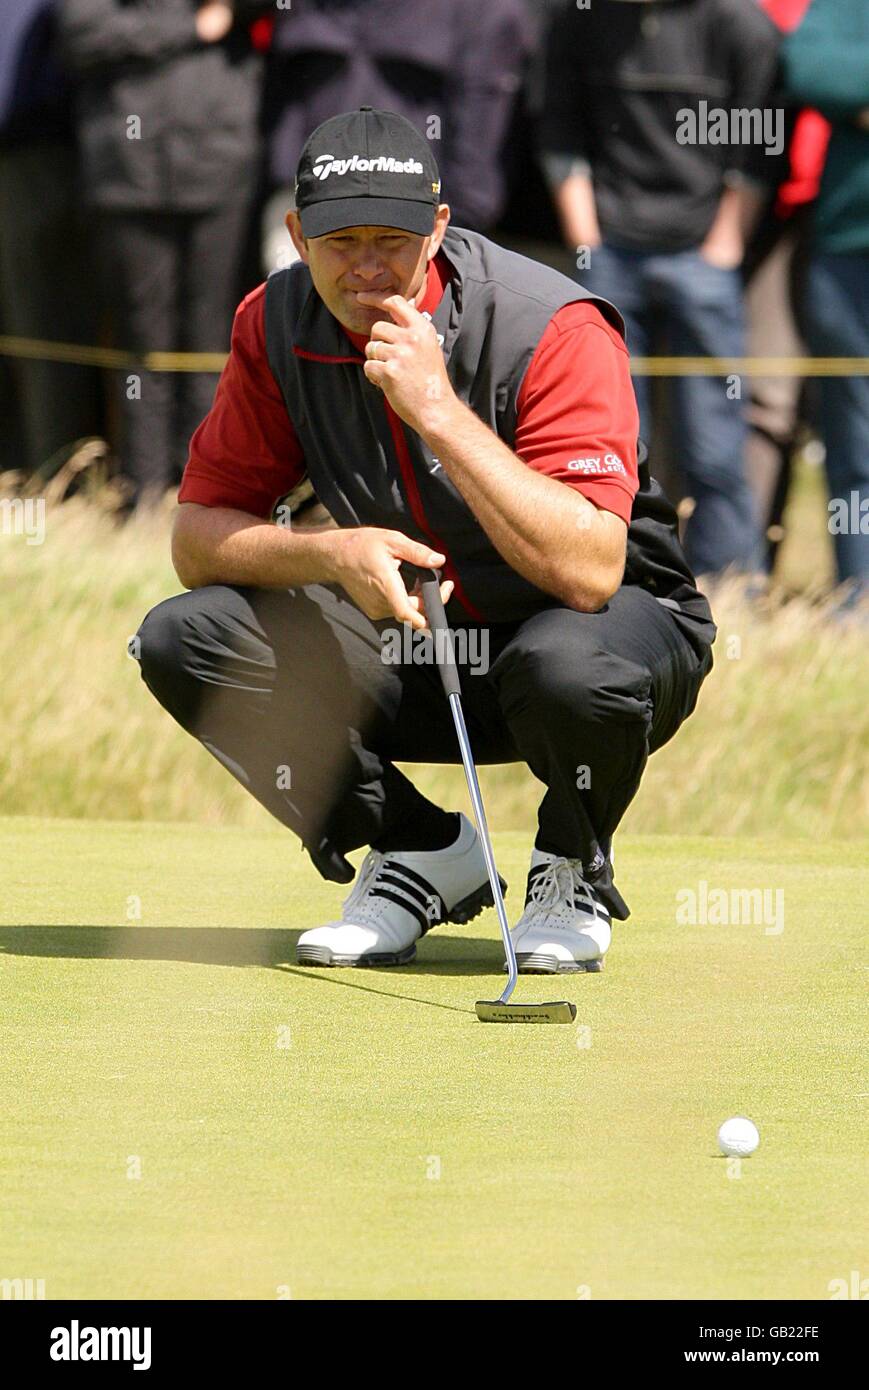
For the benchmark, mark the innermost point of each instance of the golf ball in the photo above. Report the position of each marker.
(738, 1137)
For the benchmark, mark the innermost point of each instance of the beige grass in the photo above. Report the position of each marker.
(778, 744)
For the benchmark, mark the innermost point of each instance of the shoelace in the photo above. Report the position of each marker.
(371, 866)
(560, 883)
(358, 901)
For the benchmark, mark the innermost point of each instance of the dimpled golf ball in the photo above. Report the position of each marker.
(738, 1137)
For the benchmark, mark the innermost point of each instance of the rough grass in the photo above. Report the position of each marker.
(778, 743)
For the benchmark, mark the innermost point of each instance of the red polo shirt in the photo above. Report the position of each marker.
(576, 414)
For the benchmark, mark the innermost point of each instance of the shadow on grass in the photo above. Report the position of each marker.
(334, 977)
(239, 946)
(231, 946)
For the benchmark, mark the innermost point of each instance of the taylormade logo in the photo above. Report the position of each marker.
(75, 1343)
(326, 164)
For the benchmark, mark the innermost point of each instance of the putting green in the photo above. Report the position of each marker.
(190, 1115)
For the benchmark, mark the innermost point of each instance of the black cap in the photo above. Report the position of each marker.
(367, 168)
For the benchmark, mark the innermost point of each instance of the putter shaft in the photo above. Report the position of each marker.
(500, 1011)
(485, 841)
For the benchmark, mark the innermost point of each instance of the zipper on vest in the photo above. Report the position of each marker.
(411, 485)
(414, 499)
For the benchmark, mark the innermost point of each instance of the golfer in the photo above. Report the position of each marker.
(457, 406)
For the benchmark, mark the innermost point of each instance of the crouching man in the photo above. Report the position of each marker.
(453, 405)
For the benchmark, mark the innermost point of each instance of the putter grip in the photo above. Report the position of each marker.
(437, 621)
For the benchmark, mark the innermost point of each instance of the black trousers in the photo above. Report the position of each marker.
(46, 279)
(292, 692)
(170, 283)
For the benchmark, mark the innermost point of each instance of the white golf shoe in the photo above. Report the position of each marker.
(565, 926)
(397, 898)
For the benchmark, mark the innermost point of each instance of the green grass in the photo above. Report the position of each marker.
(561, 1166)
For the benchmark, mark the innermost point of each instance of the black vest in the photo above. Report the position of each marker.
(370, 471)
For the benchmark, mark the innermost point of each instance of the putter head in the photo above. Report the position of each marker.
(497, 1012)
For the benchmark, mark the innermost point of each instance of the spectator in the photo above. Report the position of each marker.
(664, 210)
(775, 273)
(827, 66)
(44, 267)
(453, 70)
(167, 102)
(528, 223)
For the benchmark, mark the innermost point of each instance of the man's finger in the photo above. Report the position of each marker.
(376, 298)
(447, 590)
(385, 332)
(415, 601)
(375, 372)
(380, 350)
(401, 309)
(403, 548)
(403, 606)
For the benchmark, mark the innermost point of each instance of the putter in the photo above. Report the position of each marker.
(499, 1010)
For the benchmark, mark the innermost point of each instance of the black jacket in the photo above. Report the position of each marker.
(617, 75)
(453, 62)
(198, 104)
(34, 92)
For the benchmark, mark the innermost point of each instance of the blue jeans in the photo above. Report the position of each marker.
(837, 325)
(700, 308)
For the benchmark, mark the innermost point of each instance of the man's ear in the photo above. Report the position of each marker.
(294, 227)
(441, 222)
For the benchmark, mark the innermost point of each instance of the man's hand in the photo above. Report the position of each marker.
(405, 360)
(365, 561)
(577, 212)
(214, 21)
(738, 213)
(725, 250)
